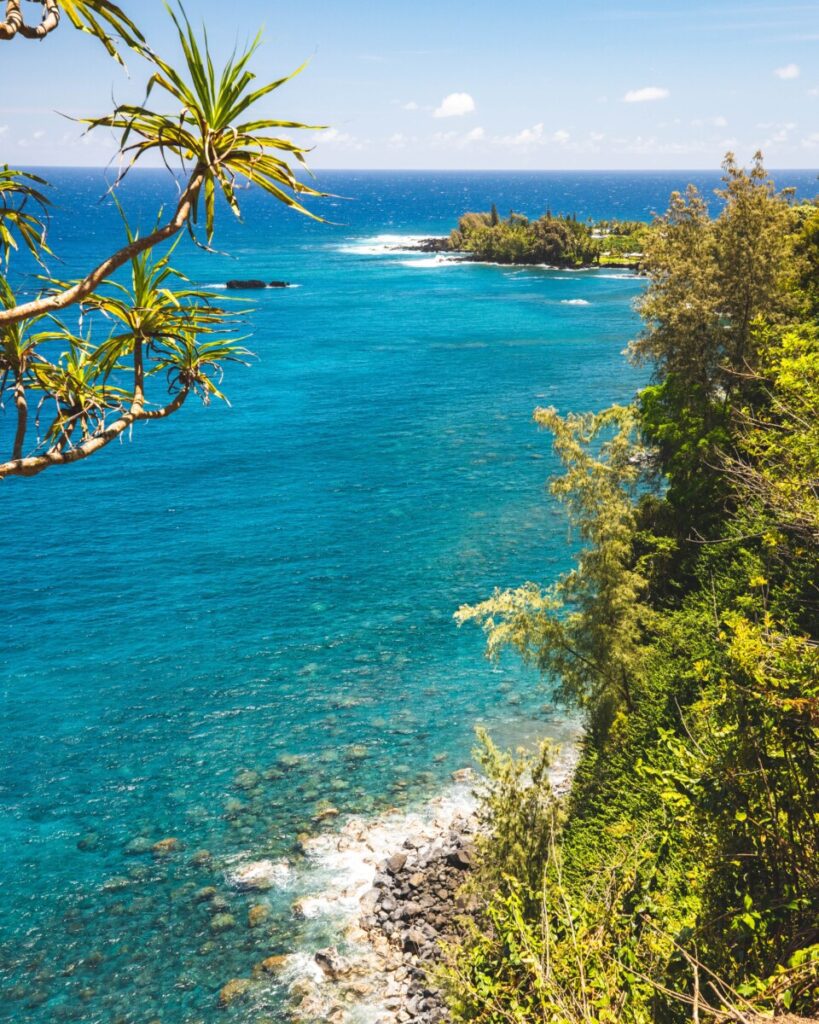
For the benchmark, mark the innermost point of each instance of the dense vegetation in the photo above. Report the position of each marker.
(680, 879)
(558, 241)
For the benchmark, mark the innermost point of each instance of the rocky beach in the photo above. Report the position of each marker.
(398, 897)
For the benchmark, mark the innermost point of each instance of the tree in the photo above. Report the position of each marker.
(681, 873)
(99, 18)
(588, 631)
(713, 282)
(97, 389)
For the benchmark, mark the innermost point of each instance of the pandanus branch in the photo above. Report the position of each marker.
(34, 464)
(14, 20)
(102, 19)
(51, 19)
(82, 289)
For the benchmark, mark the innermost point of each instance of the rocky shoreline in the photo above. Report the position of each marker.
(407, 906)
(444, 246)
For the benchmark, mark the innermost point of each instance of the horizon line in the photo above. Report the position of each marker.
(456, 170)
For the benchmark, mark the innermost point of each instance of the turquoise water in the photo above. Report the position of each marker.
(269, 587)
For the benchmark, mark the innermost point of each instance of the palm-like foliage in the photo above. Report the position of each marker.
(191, 365)
(157, 320)
(18, 350)
(92, 392)
(209, 133)
(151, 309)
(101, 17)
(77, 385)
(162, 326)
(19, 190)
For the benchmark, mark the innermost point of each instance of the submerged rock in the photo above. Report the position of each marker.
(246, 779)
(137, 846)
(116, 884)
(324, 814)
(257, 914)
(166, 846)
(241, 285)
(259, 875)
(222, 923)
(89, 842)
(272, 965)
(235, 989)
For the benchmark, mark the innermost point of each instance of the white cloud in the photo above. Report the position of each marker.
(334, 137)
(458, 140)
(813, 92)
(713, 122)
(788, 71)
(534, 136)
(3, 128)
(779, 132)
(455, 105)
(528, 135)
(412, 105)
(646, 95)
(811, 141)
(397, 139)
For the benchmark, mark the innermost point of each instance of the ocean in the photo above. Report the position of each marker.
(234, 628)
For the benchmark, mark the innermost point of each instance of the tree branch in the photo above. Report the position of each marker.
(14, 20)
(51, 19)
(82, 289)
(35, 464)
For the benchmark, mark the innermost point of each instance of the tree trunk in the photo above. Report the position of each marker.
(76, 293)
(22, 417)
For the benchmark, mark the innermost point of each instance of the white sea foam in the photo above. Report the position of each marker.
(425, 262)
(259, 874)
(221, 286)
(379, 245)
(341, 867)
(574, 302)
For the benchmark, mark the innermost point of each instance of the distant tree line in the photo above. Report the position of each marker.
(559, 241)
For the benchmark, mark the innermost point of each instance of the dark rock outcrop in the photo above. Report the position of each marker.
(415, 905)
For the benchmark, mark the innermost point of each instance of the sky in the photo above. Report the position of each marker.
(465, 84)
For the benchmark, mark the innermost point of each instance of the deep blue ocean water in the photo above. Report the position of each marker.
(270, 586)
